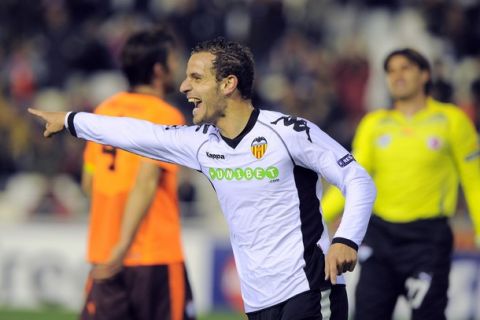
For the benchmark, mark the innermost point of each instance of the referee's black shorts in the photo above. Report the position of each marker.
(410, 259)
(158, 292)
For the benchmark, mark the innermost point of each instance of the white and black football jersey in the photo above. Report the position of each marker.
(268, 184)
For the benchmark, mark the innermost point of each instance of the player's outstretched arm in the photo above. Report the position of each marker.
(54, 121)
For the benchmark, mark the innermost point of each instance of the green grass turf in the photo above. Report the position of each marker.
(13, 314)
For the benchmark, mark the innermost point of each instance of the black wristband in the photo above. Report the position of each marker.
(346, 242)
(71, 126)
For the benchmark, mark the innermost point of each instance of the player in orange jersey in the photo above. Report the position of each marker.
(134, 240)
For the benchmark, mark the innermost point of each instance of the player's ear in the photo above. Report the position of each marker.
(159, 71)
(425, 76)
(229, 84)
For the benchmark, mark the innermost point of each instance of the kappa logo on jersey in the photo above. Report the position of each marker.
(205, 128)
(259, 147)
(215, 156)
(299, 125)
(345, 160)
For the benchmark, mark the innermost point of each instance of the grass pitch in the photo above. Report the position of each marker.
(53, 314)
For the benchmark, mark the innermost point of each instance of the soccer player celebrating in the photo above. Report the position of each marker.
(265, 167)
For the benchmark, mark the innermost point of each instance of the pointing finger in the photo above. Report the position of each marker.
(327, 269)
(333, 273)
(36, 112)
(330, 271)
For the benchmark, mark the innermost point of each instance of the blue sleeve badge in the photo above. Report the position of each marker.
(345, 160)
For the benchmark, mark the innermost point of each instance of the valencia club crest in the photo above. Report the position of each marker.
(259, 147)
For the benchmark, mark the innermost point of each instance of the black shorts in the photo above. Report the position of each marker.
(310, 305)
(410, 259)
(159, 292)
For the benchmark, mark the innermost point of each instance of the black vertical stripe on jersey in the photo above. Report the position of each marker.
(311, 225)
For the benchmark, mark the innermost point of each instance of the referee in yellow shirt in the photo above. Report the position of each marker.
(417, 153)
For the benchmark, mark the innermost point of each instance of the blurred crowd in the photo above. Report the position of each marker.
(320, 59)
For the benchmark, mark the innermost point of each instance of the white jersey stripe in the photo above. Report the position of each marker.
(325, 304)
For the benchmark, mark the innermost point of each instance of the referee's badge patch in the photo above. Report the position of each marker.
(384, 140)
(434, 143)
(259, 147)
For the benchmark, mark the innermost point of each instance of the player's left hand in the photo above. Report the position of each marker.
(339, 259)
(113, 266)
(105, 271)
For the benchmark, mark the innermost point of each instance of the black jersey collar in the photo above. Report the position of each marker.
(251, 122)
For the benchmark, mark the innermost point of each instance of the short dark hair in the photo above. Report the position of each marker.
(142, 51)
(231, 58)
(416, 58)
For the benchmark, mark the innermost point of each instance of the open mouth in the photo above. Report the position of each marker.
(196, 102)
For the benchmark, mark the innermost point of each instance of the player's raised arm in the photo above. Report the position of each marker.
(176, 144)
(54, 121)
